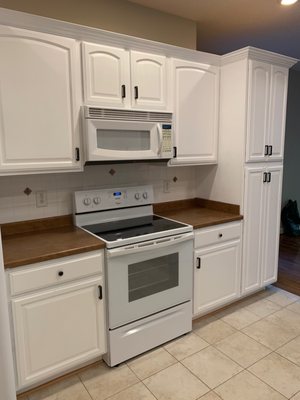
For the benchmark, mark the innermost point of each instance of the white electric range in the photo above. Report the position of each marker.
(149, 264)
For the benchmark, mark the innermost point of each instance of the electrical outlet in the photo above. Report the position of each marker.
(41, 198)
(166, 186)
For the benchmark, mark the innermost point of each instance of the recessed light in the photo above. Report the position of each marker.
(288, 2)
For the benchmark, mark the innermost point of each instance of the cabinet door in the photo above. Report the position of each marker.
(258, 110)
(149, 81)
(57, 329)
(217, 276)
(278, 100)
(40, 103)
(196, 112)
(106, 75)
(253, 224)
(271, 226)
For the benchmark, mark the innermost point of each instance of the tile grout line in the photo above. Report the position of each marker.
(79, 377)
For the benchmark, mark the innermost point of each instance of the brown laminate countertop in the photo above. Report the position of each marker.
(199, 213)
(46, 239)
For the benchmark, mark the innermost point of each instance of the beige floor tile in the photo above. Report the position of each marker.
(102, 381)
(291, 350)
(296, 397)
(214, 330)
(263, 308)
(186, 346)
(150, 363)
(211, 366)
(269, 334)
(289, 319)
(210, 396)
(239, 318)
(280, 297)
(66, 389)
(294, 307)
(279, 373)
(245, 386)
(175, 383)
(135, 392)
(242, 349)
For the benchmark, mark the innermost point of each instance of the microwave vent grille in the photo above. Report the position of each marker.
(127, 115)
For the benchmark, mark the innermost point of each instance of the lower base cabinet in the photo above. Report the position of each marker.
(60, 327)
(217, 268)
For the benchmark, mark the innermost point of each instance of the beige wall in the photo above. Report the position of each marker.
(114, 15)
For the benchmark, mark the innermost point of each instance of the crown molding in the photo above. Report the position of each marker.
(253, 53)
(84, 33)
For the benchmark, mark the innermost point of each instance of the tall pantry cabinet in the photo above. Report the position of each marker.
(253, 96)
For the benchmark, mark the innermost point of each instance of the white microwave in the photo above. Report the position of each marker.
(125, 135)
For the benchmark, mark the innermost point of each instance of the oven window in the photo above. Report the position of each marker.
(152, 276)
(123, 140)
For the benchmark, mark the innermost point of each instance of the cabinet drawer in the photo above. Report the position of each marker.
(61, 270)
(217, 234)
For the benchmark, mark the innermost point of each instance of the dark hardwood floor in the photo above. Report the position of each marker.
(289, 264)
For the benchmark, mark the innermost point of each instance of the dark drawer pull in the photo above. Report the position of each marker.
(100, 292)
(198, 263)
(220, 235)
(123, 88)
(60, 273)
(136, 92)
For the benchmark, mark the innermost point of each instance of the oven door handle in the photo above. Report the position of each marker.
(150, 245)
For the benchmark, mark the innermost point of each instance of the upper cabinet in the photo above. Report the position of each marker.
(114, 77)
(196, 112)
(40, 102)
(267, 97)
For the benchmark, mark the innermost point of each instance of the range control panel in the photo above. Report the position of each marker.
(112, 198)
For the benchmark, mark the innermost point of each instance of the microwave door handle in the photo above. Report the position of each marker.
(152, 245)
(160, 139)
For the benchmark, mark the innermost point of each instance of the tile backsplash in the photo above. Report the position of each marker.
(15, 205)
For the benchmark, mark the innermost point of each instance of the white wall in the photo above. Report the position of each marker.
(15, 205)
(291, 182)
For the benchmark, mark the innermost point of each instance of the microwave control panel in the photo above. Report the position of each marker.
(166, 139)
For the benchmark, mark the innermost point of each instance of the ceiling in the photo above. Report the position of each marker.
(226, 25)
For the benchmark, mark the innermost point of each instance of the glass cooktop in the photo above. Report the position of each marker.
(129, 228)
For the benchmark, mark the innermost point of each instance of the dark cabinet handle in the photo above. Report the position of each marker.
(220, 235)
(136, 92)
(269, 177)
(60, 273)
(270, 152)
(100, 297)
(123, 91)
(77, 154)
(266, 150)
(265, 177)
(174, 151)
(198, 263)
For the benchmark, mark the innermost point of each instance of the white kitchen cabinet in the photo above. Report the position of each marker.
(196, 112)
(262, 205)
(61, 326)
(217, 269)
(115, 77)
(266, 111)
(40, 102)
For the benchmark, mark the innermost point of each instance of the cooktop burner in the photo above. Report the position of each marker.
(128, 228)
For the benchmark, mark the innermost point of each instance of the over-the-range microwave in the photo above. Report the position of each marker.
(125, 135)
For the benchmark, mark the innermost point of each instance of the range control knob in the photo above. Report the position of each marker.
(87, 201)
(137, 196)
(96, 200)
(145, 195)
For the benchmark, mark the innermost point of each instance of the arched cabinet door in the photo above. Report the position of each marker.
(39, 102)
(106, 75)
(149, 81)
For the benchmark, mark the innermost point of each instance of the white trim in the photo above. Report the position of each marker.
(84, 33)
(253, 53)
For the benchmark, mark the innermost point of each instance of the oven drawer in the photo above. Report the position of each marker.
(53, 272)
(130, 340)
(217, 234)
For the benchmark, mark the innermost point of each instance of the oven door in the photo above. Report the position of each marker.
(122, 140)
(148, 277)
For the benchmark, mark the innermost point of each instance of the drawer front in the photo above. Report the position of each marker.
(217, 234)
(53, 272)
